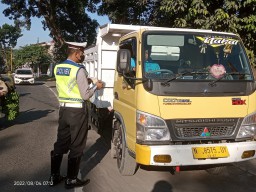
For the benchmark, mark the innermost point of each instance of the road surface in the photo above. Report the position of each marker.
(26, 143)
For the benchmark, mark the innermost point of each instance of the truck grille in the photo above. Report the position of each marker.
(204, 128)
(197, 132)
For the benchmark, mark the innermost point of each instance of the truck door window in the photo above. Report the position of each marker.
(131, 45)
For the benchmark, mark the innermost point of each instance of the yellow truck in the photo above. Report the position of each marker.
(181, 97)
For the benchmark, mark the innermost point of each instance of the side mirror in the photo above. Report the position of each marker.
(123, 61)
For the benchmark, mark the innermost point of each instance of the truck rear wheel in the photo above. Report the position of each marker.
(125, 163)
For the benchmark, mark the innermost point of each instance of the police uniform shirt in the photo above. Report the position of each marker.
(83, 85)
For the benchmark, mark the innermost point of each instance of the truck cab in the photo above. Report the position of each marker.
(189, 100)
(172, 97)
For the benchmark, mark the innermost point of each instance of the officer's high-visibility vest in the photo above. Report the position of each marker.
(65, 74)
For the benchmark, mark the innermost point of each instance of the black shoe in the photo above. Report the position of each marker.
(55, 179)
(72, 183)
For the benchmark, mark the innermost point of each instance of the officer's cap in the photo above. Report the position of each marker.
(75, 45)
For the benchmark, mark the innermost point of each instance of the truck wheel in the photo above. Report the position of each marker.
(114, 140)
(125, 163)
(113, 146)
(113, 150)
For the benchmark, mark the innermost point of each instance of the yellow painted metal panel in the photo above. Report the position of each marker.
(252, 103)
(201, 107)
(143, 153)
(147, 102)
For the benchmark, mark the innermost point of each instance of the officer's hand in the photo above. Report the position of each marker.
(89, 80)
(99, 84)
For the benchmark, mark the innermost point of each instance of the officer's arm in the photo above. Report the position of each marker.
(83, 85)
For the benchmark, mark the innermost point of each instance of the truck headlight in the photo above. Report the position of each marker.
(248, 127)
(151, 128)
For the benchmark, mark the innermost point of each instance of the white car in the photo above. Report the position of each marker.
(24, 75)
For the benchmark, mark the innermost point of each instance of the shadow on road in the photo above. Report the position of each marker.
(162, 186)
(25, 117)
(31, 115)
(28, 84)
(23, 94)
(93, 156)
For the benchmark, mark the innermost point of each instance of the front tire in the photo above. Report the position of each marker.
(113, 150)
(125, 163)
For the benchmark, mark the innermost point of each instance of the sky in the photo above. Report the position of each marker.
(37, 33)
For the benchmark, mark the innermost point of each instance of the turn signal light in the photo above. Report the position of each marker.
(162, 158)
(247, 154)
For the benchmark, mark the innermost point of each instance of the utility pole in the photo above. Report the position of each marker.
(11, 58)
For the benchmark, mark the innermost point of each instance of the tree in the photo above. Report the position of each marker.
(35, 56)
(8, 39)
(61, 16)
(9, 35)
(221, 15)
(65, 19)
(1, 62)
(123, 11)
(247, 26)
(228, 15)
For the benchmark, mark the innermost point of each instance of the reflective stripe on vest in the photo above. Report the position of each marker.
(65, 74)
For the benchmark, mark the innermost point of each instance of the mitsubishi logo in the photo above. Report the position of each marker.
(205, 133)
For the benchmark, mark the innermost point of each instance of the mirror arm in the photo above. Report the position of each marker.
(134, 78)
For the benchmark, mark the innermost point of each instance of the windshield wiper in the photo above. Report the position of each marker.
(225, 75)
(183, 74)
(156, 74)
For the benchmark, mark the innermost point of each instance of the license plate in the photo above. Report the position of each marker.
(210, 152)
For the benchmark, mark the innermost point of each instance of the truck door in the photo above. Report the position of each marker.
(125, 105)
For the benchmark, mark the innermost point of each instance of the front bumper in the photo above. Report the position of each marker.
(24, 81)
(181, 155)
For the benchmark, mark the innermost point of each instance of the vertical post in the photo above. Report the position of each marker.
(11, 58)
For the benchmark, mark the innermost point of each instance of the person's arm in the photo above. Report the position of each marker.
(83, 85)
(133, 65)
(3, 88)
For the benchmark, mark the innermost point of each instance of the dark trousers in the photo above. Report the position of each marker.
(72, 131)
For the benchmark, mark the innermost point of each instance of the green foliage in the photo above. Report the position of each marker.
(219, 15)
(60, 53)
(34, 55)
(9, 35)
(11, 105)
(125, 11)
(228, 15)
(1, 60)
(8, 38)
(65, 19)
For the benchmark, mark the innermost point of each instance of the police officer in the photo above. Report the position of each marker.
(73, 89)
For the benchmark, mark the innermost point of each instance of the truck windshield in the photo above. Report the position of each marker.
(194, 57)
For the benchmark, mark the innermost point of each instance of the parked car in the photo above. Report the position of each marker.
(24, 76)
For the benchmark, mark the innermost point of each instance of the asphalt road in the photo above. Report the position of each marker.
(26, 143)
